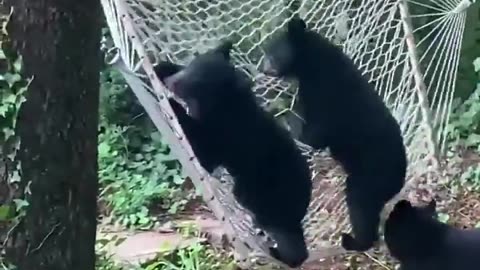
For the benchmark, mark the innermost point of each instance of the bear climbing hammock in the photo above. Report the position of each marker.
(409, 50)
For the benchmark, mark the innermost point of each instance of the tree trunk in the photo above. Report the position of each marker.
(59, 42)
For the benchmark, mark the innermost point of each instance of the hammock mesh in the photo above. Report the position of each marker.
(409, 50)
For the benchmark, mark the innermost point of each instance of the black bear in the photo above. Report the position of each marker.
(420, 242)
(197, 135)
(343, 112)
(271, 176)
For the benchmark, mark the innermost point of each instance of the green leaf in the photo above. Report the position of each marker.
(148, 148)
(174, 208)
(178, 180)
(11, 98)
(8, 133)
(103, 149)
(154, 266)
(2, 55)
(156, 137)
(476, 65)
(20, 99)
(443, 217)
(20, 203)
(5, 211)
(11, 79)
(143, 220)
(3, 110)
(473, 139)
(104, 241)
(17, 65)
(133, 219)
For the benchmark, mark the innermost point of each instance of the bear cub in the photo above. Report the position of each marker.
(197, 135)
(343, 112)
(271, 176)
(420, 242)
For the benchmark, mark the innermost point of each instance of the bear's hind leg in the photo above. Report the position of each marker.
(364, 211)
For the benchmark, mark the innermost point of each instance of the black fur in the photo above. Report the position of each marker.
(272, 178)
(420, 242)
(198, 136)
(343, 112)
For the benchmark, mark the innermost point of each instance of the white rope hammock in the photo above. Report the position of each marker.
(379, 35)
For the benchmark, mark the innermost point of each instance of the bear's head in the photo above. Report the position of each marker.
(404, 209)
(411, 232)
(281, 53)
(206, 80)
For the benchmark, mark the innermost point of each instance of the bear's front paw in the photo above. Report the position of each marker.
(274, 252)
(349, 243)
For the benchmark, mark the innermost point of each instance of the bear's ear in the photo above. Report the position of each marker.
(296, 26)
(224, 48)
(431, 206)
(403, 205)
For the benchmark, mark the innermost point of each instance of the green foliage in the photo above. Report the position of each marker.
(13, 87)
(105, 262)
(103, 258)
(476, 65)
(136, 169)
(196, 256)
(466, 77)
(193, 257)
(464, 131)
(465, 121)
(12, 90)
(117, 101)
(12, 95)
(443, 217)
(470, 178)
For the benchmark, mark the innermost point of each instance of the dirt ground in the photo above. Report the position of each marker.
(460, 203)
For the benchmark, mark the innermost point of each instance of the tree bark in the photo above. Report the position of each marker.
(59, 42)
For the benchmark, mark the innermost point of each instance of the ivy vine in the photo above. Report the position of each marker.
(13, 87)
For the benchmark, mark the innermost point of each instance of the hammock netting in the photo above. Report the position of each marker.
(409, 50)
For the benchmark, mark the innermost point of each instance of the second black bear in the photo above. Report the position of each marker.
(343, 112)
(271, 177)
(420, 242)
